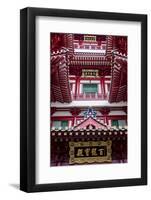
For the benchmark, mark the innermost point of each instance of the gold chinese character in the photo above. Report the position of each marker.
(87, 151)
(93, 152)
(80, 152)
(101, 152)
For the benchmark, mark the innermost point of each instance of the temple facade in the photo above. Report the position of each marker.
(88, 99)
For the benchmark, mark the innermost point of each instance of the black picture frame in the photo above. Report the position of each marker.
(28, 99)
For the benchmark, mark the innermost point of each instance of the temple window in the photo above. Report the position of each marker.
(90, 88)
(122, 123)
(62, 124)
(115, 123)
(118, 123)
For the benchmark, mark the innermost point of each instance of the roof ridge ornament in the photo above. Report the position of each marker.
(90, 113)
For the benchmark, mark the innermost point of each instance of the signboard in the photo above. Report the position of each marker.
(90, 73)
(90, 152)
(89, 38)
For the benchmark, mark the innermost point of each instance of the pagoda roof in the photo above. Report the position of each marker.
(118, 90)
(60, 87)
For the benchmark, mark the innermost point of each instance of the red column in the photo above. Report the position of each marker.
(107, 120)
(73, 119)
(75, 112)
(77, 87)
(102, 86)
(105, 112)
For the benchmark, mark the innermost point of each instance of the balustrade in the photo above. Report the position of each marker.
(90, 96)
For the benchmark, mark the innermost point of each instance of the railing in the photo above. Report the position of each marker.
(90, 96)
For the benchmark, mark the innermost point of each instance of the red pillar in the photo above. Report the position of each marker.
(73, 119)
(75, 112)
(76, 87)
(102, 86)
(103, 83)
(106, 117)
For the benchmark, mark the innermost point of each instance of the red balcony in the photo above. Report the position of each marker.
(90, 96)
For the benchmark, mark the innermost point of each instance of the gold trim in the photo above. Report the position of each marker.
(89, 38)
(90, 73)
(97, 159)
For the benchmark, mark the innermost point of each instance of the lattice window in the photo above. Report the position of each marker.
(115, 123)
(61, 124)
(90, 88)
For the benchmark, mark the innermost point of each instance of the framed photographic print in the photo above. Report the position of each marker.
(83, 99)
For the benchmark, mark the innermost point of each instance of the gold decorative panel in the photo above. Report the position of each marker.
(90, 152)
(90, 73)
(89, 38)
